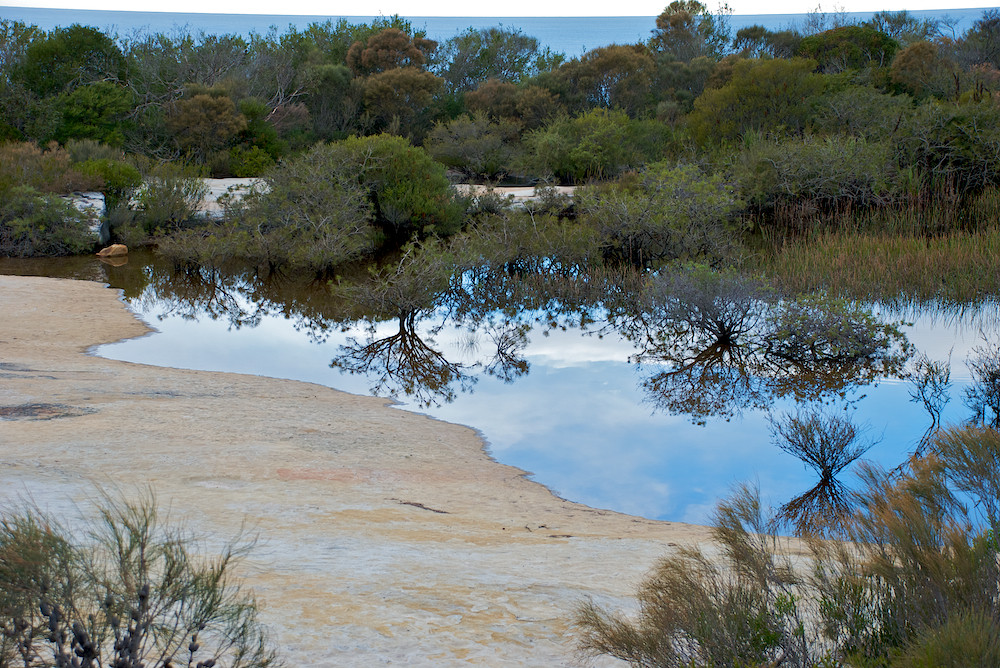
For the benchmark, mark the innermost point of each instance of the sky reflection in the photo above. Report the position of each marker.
(579, 421)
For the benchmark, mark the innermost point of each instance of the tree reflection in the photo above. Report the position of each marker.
(404, 363)
(722, 344)
(828, 444)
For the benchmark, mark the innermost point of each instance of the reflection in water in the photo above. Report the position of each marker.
(931, 382)
(828, 443)
(983, 395)
(724, 344)
(577, 420)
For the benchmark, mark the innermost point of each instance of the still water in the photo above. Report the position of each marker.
(568, 403)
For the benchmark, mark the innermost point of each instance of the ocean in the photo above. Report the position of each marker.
(570, 35)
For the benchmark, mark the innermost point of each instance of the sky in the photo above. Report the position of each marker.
(506, 8)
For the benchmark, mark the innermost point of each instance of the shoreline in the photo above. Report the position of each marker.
(385, 536)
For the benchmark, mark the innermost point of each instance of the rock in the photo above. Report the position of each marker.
(114, 250)
(93, 206)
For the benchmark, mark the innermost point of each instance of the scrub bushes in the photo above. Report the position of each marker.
(915, 580)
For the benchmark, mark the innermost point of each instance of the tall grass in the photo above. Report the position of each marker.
(935, 248)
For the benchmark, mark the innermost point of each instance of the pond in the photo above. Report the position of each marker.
(595, 409)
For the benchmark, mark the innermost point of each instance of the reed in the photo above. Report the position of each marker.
(885, 265)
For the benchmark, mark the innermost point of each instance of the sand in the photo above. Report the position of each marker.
(385, 537)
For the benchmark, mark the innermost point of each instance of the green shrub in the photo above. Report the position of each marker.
(34, 223)
(409, 190)
(122, 590)
(850, 47)
(597, 144)
(167, 200)
(914, 580)
(661, 213)
(476, 146)
(828, 171)
(248, 161)
(120, 178)
(761, 95)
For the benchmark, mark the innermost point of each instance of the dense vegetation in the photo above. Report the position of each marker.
(877, 143)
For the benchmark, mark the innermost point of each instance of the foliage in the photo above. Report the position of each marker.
(94, 111)
(410, 192)
(387, 50)
(850, 47)
(127, 592)
(915, 581)
(167, 200)
(597, 144)
(498, 53)
(740, 607)
(476, 146)
(767, 96)
(921, 70)
(661, 213)
(67, 57)
(34, 223)
(610, 77)
(329, 224)
(204, 122)
(49, 170)
(400, 99)
(120, 178)
(686, 30)
(833, 170)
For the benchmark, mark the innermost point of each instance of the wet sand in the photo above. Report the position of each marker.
(386, 537)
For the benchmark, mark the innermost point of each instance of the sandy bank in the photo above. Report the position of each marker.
(386, 537)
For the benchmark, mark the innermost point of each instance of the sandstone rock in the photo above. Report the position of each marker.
(114, 250)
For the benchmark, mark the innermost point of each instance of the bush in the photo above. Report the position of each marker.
(477, 146)
(120, 178)
(49, 170)
(409, 190)
(34, 223)
(764, 96)
(661, 213)
(823, 172)
(598, 144)
(129, 592)
(915, 580)
(167, 200)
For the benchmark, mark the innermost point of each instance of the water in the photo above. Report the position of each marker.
(571, 35)
(580, 420)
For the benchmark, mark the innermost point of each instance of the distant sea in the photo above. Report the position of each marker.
(570, 35)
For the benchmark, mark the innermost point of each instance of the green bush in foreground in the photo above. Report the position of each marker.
(913, 581)
(123, 590)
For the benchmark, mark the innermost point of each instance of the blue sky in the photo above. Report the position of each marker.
(505, 8)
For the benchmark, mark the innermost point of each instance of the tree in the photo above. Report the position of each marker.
(476, 146)
(849, 48)
(399, 99)
(481, 54)
(69, 57)
(93, 111)
(387, 50)
(686, 30)
(921, 70)
(763, 96)
(204, 122)
(611, 77)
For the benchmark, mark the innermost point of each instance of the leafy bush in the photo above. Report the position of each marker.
(409, 190)
(661, 213)
(849, 47)
(763, 96)
(828, 171)
(34, 223)
(120, 178)
(594, 145)
(167, 200)
(477, 146)
(129, 592)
